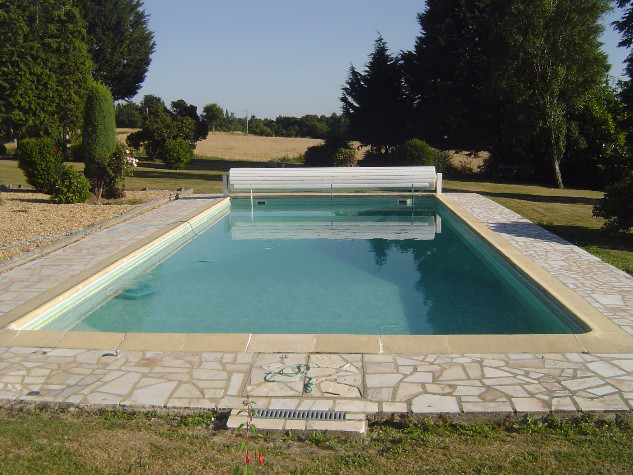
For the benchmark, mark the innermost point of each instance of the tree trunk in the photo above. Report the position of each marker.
(559, 178)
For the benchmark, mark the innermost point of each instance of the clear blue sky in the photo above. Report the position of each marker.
(279, 57)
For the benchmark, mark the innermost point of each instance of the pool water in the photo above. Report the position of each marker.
(328, 265)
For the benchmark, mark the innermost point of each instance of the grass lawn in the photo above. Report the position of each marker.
(37, 440)
(566, 213)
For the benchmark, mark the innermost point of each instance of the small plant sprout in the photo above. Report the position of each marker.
(249, 430)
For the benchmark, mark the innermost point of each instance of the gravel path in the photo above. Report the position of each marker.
(29, 215)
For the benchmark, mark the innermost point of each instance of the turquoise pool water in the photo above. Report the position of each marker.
(327, 265)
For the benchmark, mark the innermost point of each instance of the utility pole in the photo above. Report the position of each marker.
(246, 121)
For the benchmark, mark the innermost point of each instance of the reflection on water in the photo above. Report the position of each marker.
(394, 225)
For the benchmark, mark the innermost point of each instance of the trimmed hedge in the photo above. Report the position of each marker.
(41, 162)
(99, 129)
(99, 136)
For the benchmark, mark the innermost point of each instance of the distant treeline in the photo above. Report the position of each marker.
(132, 115)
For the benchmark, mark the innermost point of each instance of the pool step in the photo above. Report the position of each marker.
(298, 420)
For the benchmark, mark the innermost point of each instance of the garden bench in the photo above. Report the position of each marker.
(332, 179)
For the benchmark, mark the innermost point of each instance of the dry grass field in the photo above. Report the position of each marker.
(252, 147)
(249, 148)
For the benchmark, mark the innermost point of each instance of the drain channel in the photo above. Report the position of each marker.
(297, 414)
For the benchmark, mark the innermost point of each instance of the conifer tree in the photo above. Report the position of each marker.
(448, 71)
(374, 101)
(121, 43)
(44, 68)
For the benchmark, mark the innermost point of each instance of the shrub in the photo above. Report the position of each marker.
(71, 187)
(120, 166)
(161, 125)
(323, 155)
(345, 157)
(136, 139)
(3, 149)
(415, 152)
(442, 161)
(176, 154)
(616, 206)
(41, 162)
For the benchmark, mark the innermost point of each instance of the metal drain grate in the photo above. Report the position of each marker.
(296, 414)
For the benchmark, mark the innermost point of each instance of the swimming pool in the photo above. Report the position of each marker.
(324, 265)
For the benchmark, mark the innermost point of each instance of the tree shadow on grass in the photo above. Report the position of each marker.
(535, 198)
(205, 164)
(582, 200)
(175, 175)
(582, 236)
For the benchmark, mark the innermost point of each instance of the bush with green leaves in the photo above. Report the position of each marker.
(345, 157)
(176, 154)
(442, 161)
(415, 152)
(119, 166)
(71, 187)
(616, 206)
(41, 162)
(161, 124)
(323, 155)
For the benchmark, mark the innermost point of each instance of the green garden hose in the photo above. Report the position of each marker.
(292, 373)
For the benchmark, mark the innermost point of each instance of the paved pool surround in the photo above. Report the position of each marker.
(356, 373)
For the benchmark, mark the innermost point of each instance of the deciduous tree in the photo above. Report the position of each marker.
(548, 62)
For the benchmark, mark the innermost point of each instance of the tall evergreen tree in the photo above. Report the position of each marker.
(447, 73)
(625, 27)
(121, 43)
(374, 101)
(44, 68)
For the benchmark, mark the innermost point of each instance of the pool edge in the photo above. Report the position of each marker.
(604, 337)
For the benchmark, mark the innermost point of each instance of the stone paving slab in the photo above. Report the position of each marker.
(392, 383)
